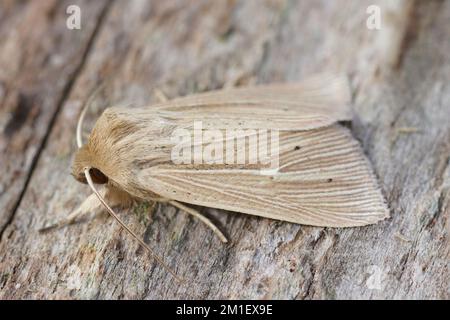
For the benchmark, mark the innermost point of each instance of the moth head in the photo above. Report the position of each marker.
(84, 159)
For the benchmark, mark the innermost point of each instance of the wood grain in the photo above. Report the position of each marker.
(40, 60)
(400, 78)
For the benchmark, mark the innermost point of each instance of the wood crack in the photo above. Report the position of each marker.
(65, 94)
(410, 33)
(438, 212)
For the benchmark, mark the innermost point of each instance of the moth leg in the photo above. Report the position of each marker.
(243, 78)
(92, 204)
(199, 216)
(160, 95)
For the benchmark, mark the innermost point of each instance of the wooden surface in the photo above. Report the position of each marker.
(400, 79)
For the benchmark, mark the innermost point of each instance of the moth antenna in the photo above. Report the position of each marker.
(83, 113)
(124, 226)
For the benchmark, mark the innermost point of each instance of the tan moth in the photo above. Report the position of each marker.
(321, 177)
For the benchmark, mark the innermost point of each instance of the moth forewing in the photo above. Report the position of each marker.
(323, 179)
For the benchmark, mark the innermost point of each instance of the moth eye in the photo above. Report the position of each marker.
(98, 176)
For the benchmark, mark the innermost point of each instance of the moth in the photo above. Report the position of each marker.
(321, 177)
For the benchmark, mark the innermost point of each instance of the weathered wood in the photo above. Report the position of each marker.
(39, 61)
(400, 76)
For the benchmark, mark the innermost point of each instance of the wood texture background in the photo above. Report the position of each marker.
(400, 79)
